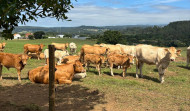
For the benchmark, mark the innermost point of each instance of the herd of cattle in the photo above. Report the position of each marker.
(71, 66)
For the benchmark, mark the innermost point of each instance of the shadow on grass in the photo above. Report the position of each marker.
(15, 78)
(155, 70)
(184, 67)
(34, 97)
(151, 78)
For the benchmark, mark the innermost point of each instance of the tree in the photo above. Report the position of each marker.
(39, 35)
(31, 37)
(13, 12)
(111, 37)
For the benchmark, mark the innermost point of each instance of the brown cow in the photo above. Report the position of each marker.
(70, 59)
(98, 60)
(88, 49)
(120, 60)
(33, 49)
(59, 46)
(63, 75)
(17, 61)
(33, 55)
(2, 46)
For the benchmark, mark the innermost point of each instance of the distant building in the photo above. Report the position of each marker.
(27, 34)
(60, 36)
(51, 37)
(17, 36)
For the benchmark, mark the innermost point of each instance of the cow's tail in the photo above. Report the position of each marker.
(82, 55)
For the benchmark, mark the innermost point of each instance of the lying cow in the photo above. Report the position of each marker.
(59, 55)
(158, 56)
(73, 47)
(188, 56)
(63, 75)
(120, 60)
(2, 46)
(59, 46)
(33, 55)
(33, 49)
(17, 61)
(98, 60)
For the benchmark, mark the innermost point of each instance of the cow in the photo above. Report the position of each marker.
(2, 46)
(70, 59)
(127, 49)
(59, 55)
(33, 55)
(73, 47)
(98, 60)
(33, 49)
(63, 75)
(158, 56)
(59, 46)
(88, 49)
(113, 48)
(120, 60)
(188, 56)
(9, 60)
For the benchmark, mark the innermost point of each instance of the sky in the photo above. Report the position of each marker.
(120, 12)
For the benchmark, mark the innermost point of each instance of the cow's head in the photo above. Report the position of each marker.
(131, 59)
(67, 45)
(173, 53)
(103, 59)
(3, 44)
(78, 67)
(24, 58)
(41, 46)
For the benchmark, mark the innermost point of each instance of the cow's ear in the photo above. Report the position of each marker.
(166, 50)
(179, 50)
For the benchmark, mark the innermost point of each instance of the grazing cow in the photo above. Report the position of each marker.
(59, 55)
(59, 46)
(73, 47)
(70, 59)
(17, 61)
(2, 46)
(88, 49)
(188, 56)
(113, 48)
(120, 60)
(33, 49)
(98, 60)
(63, 75)
(158, 56)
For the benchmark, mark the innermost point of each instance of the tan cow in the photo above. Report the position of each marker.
(63, 75)
(127, 49)
(188, 56)
(113, 48)
(59, 46)
(33, 49)
(88, 49)
(98, 60)
(2, 46)
(17, 61)
(33, 55)
(70, 59)
(158, 56)
(120, 60)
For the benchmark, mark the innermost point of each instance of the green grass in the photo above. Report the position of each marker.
(127, 93)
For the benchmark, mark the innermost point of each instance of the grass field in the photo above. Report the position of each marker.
(95, 92)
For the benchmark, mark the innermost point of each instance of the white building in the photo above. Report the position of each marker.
(60, 36)
(17, 36)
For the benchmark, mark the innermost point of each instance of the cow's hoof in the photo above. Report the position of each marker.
(137, 76)
(161, 82)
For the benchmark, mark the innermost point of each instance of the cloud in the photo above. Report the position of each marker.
(106, 16)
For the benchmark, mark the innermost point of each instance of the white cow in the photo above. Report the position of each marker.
(73, 47)
(131, 50)
(158, 56)
(188, 56)
(59, 55)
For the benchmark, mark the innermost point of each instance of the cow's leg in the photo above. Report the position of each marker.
(1, 67)
(111, 68)
(64, 81)
(18, 72)
(188, 60)
(99, 69)
(137, 70)
(124, 71)
(140, 67)
(161, 74)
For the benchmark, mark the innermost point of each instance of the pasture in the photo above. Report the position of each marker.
(95, 92)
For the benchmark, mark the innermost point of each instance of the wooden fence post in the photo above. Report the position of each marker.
(51, 78)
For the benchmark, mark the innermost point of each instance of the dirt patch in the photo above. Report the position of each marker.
(35, 96)
(180, 59)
